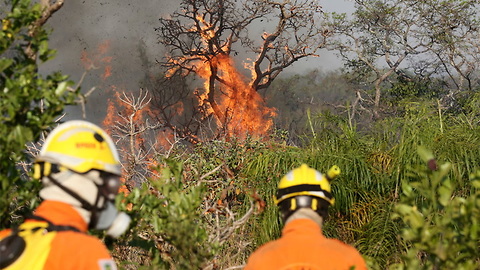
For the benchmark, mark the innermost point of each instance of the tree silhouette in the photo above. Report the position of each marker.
(204, 38)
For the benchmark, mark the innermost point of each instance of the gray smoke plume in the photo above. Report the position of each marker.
(125, 28)
(122, 27)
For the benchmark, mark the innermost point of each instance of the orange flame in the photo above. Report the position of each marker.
(97, 59)
(116, 109)
(245, 111)
(108, 124)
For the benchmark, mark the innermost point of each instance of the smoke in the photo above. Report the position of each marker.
(80, 27)
(122, 28)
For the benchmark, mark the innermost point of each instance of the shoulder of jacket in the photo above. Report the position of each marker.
(4, 233)
(80, 240)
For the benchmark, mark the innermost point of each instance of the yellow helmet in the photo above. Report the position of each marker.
(80, 146)
(302, 186)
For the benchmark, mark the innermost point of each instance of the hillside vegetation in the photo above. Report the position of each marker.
(408, 196)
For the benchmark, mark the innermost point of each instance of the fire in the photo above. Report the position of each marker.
(98, 58)
(125, 114)
(243, 110)
(207, 31)
(122, 112)
(107, 73)
(108, 124)
(109, 120)
(240, 111)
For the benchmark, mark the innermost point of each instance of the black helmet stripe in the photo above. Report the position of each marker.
(301, 188)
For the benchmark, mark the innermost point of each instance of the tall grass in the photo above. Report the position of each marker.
(263, 171)
(374, 163)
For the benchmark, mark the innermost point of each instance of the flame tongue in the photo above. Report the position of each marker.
(243, 111)
(98, 59)
(238, 108)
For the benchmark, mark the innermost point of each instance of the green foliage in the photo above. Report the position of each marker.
(472, 106)
(375, 162)
(441, 228)
(435, 210)
(173, 226)
(167, 222)
(410, 87)
(263, 170)
(29, 103)
(313, 91)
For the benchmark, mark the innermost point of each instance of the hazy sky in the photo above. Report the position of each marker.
(82, 27)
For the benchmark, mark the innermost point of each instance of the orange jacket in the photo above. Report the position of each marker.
(71, 250)
(303, 246)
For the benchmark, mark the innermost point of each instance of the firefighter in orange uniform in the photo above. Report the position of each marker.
(303, 197)
(80, 171)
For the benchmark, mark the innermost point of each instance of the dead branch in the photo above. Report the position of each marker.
(130, 130)
(48, 10)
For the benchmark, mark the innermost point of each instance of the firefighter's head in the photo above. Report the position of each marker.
(79, 165)
(305, 187)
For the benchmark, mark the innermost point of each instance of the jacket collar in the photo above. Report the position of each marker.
(302, 226)
(60, 213)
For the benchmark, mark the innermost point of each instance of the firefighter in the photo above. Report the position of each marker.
(303, 198)
(80, 172)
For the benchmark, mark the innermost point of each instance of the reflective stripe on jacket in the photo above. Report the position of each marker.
(303, 246)
(69, 249)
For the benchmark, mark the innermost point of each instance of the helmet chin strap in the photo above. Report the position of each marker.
(93, 209)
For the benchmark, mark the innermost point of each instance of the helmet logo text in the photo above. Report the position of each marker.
(85, 145)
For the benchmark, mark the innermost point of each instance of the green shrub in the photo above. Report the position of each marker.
(29, 102)
(441, 228)
(168, 229)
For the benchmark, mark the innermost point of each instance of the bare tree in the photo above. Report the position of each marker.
(205, 36)
(176, 107)
(130, 129)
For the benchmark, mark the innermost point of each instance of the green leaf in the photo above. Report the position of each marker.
(476, 184)
(61, 88)
(417, 220)
(403, 209)
(21, 134)
(407, 189)
(445, 194)
(425, 155)
(444, 170)
(5, 63)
